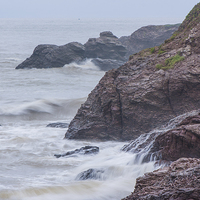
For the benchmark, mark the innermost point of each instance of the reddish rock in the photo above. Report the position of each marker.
(179, 181)
(183, 141)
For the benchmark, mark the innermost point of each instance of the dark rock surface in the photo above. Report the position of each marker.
(83, 151)
(52, 56)
(95, 174)
(146, 37)
(144, 93)
(58, 125)
(183, 141)
(107, 46)
(179, 181)
(108, 51)
(107, 64)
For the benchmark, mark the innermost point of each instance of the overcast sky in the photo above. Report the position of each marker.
(110, 9)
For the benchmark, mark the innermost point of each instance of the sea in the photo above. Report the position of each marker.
(31, 99)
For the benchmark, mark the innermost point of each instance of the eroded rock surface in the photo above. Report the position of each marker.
(146, 92)
(183, 141)
(179, 181)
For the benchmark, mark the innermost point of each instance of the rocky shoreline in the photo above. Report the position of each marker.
(154, 86)
(106, 52)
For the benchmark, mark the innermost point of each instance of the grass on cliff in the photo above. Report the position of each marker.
(191, 20)
(170, 62)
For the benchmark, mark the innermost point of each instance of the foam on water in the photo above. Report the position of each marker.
(31, 99)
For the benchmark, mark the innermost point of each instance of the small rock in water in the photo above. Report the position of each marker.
(82, 150)
(58, 125)
(91, 174)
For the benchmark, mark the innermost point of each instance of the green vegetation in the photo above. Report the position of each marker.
(152, 50)
(170, 62)
(161, 51)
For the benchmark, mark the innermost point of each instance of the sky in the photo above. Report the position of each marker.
(95, 9)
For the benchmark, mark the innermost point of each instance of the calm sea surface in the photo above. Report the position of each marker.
(31, 99)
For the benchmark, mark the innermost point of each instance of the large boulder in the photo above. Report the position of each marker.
(181, 180)
(52, 56)
(146, 92)
(146, 37)
(183, 141)
(107, 46)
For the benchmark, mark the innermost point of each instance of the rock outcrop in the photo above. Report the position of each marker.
(52, 56)
(183, 141)
(155, 86)
(96, 174)
(107, 46)
(146, 37)
(181, 180)
(58, 125)
(107, 51)
(82, 151)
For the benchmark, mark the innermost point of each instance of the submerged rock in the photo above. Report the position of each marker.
(96, 174)
(83, 151)
(146, 92)
(181, 180)
(52, 56)
(58, 125)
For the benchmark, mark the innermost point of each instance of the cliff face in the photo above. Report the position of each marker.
(146, 37)
(156, 85)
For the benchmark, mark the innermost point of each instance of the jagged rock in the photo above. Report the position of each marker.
(146, 37)
(181, 180)
(58, 125)
(49, 56)
(91, 174)
(183, 141)
(107, 46)
(107, 64)
(83, 151)
(145, 93)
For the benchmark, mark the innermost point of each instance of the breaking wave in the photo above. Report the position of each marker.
(42, 109)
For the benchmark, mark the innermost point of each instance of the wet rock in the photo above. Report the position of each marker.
(183, 141)
(107, 64)
(181, 180)
(52, 56)
(143, 94)
(107, 46)
(58, 125)
(96, 174)
(83, 151)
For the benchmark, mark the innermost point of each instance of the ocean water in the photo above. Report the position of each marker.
(31, 99)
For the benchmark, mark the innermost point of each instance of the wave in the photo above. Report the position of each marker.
(87, 64)
(43, 108)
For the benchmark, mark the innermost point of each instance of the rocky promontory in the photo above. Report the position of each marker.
(107, 51)
(154, 86)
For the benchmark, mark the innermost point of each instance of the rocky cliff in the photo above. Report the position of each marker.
(155, 85)
(146, 37)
